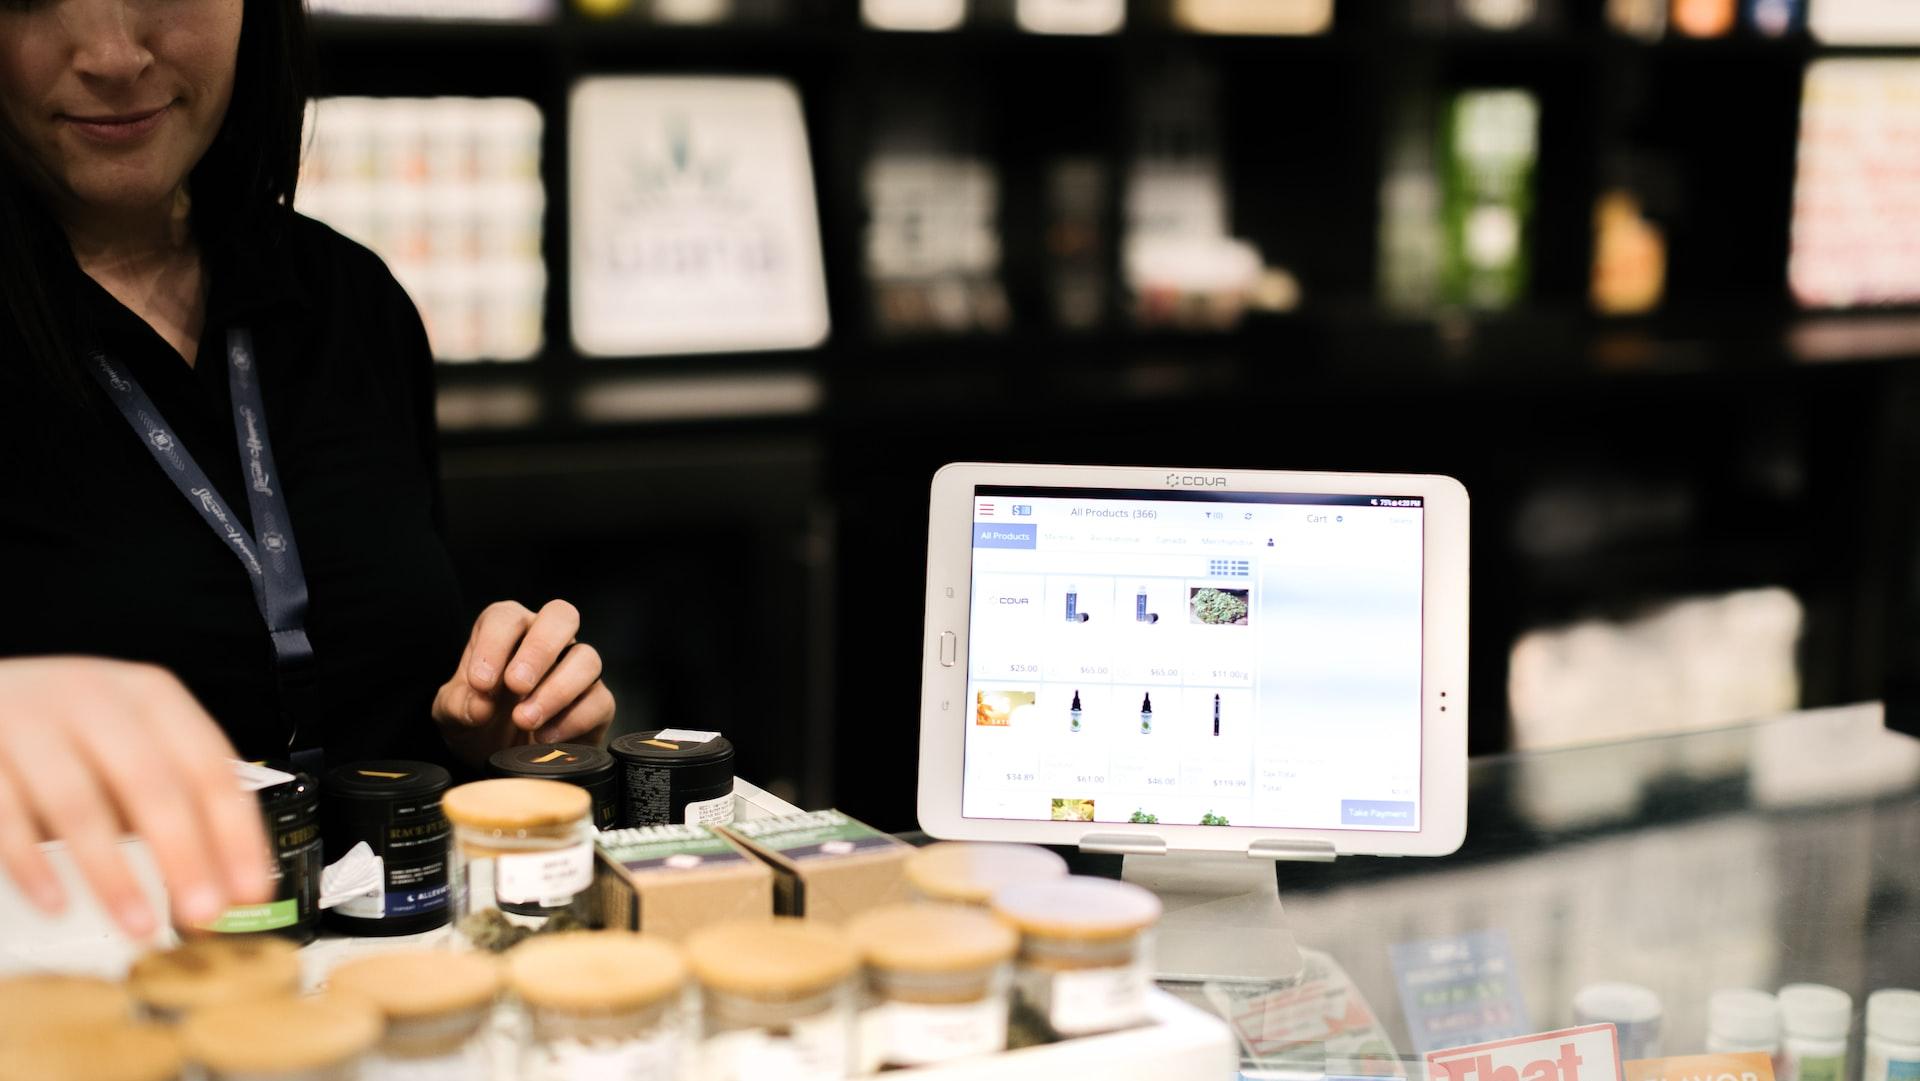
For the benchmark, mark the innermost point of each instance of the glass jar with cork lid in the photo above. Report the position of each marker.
(295, 1039)
(214, 971)
(779, 1000)
(39, 999)
(970, 874)
(1086, 953)
(603, 1004)
(91, 1051)
(437, 1006)
(937, 983)
(522, 859)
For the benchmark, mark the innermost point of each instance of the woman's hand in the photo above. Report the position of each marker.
(523, 679)
(91, 748)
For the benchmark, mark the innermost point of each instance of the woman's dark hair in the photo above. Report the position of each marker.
(239, 187)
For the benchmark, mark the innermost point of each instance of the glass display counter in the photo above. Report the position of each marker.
(1779, 852)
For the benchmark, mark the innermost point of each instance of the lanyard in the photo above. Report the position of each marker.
(271, 558)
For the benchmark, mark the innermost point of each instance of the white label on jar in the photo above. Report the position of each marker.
(685, 735)
(1097, 999)
(548, 879)
(717, 811)
(814, 1049)
(920, 1034)
(656, 1058)
(462, 1065)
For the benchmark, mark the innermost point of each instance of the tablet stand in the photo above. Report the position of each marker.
(1222, 918)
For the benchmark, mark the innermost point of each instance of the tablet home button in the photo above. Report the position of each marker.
(949, 648)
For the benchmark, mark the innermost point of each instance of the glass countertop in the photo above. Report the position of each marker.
(1771, 853)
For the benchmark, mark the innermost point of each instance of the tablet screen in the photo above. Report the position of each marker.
(1245, 659)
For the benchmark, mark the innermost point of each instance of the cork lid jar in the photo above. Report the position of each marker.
(211, 971)
(39, 999)
(516, 806)
(91, 1051)
(1078, 922)
(933, 953)
(418, 985)
(596, 972)
(970, 874)
(289, 1037)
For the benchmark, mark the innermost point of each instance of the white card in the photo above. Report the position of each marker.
(694, 225)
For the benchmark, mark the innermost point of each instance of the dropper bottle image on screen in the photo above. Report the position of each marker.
(1146, 713)
(1216, 714)
(1074, 712)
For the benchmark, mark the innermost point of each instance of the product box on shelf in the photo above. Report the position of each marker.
(674, 879)
(826, 866)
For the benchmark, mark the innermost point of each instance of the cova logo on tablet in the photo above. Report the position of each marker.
(1187, 480)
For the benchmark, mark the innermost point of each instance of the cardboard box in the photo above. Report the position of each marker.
(826, 866)
(673, 880)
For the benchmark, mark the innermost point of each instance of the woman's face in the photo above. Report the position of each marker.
(113, 102)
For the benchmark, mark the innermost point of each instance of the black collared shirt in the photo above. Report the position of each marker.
(100, 554)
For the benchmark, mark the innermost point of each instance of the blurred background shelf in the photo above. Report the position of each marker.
(745, 529)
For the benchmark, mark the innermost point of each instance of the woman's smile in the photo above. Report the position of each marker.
(123, 129)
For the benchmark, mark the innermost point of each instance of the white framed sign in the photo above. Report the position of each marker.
(694, 225)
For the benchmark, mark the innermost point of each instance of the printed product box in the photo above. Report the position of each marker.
(826, 866)
(673, 880)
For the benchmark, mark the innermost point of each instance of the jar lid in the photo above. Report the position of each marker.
(574, 762)
(281, 1035)
(596, 972)
(1744, 1016)
(510, 803)
(973, 873)
(386, 778)
(416, 984)
(771, 957)
(651, 747)
(1621, 1003)
(31, 1001)
(209, 971)
(931, 938)
(1894, 1014)
(1078, 908)
(92, 1052)
(1816, 1011)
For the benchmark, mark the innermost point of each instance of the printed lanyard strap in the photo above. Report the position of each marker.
(269, 554)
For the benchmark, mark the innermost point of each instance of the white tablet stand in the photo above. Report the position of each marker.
(1222, 920)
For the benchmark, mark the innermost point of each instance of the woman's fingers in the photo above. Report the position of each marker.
(546, 637)
(576, 672)
(20, 852)
(585, 721)
(65, 796)
(155, 806)
(495, 635)
(227, 816)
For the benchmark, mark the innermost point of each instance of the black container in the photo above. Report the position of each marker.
(291, 811)
(394, 806)
(674, 781)
(577, 764)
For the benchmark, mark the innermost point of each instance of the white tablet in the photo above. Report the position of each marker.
(1172, 659)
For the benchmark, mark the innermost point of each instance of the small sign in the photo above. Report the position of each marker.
(1589, 1053)
(1744, 1066)
(1459, 989)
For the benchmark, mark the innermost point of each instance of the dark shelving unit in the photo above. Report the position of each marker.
(1789, 472)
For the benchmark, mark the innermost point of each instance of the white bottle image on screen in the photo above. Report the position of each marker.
(1146, 713)
(1893, 1035)
(1074, 712)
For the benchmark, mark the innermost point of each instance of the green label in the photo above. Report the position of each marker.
(1824, 1068)
(246, 919)
(651, 843)
(809, 830)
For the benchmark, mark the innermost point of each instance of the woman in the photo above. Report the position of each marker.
(221, 532)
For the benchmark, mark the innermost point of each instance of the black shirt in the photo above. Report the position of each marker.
(100, 553)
